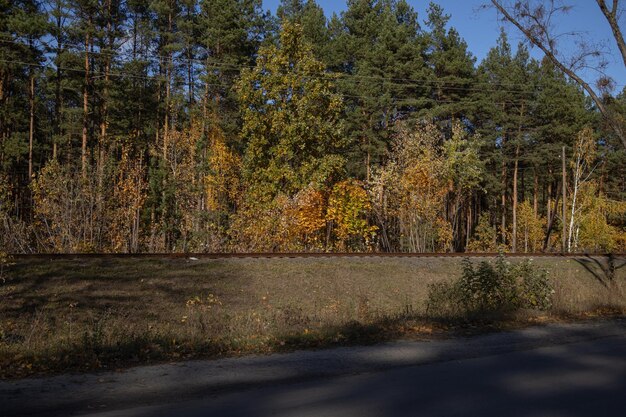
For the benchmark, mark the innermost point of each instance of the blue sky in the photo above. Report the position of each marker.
(480, 28)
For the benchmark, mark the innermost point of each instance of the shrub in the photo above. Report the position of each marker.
(6, 260)
(536, 289)
(492, 287)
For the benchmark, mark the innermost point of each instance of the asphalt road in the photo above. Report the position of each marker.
(554, 370)
(579, 379)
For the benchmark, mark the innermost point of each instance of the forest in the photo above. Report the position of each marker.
(157, 126)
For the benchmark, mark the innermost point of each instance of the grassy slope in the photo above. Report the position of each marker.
(86, 314)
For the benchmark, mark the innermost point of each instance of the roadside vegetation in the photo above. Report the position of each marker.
(93, 314)
(492, 288)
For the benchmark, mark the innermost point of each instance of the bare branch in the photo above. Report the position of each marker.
(534, 23)
(611, 17)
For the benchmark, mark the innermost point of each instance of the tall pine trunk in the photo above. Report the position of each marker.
(515, 175)
(535, 194)
(549, 197)
(503, 180)
(85, 105)
(564, 203)
(31, 129)
(58, 98)
(514, 225)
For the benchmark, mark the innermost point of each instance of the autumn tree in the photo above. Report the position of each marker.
(409, 193)
(291, 123)
(582, 167)
(598, 227)
(348, 209)
(292, 128)
(221, 190)
(464, 171)
(485, 236)
(530, 233)
(126, 204)
(64, 208)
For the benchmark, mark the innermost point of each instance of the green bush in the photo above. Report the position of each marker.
(492, 287)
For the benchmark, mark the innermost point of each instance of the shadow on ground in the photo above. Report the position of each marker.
(566, 370)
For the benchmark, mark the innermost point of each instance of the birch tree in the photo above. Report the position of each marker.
(582, 169)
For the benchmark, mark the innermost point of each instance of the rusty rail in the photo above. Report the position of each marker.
(300, 255)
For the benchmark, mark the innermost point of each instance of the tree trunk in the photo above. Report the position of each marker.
(166, 118)
(57, 85)
(612, 17)
(85, 107)
(564, 198)
(503, 202)
(468, 225)
(515, 169)
(31, 129)
(105, 89)
(205, 101)
(549, 197)
(166, 127)
(190, 76)
(535, 194)
(552, 217)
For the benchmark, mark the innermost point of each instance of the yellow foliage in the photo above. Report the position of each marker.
(530, 228)
(593, 231)
(129, 196)
(445, 235)
(201, 186)
(262, 226)
(305, 218)
(409, 191)
(222, 182)
(292, 118)
(284, 224)
(348, 206)
(485, 236)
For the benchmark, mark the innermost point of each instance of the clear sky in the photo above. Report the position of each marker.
(480, 28)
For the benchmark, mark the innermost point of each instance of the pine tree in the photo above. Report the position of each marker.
(22, 28)
(231, 31)
(561, 111)
(491, 122)
(379, 47)
(310, 16)
(452, 77)
(505, 109)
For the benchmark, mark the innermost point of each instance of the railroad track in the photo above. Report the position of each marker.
(301, 255)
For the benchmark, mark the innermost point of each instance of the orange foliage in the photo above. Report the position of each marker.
(410, 191)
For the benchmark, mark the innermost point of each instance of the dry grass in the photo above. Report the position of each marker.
(89, 314)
